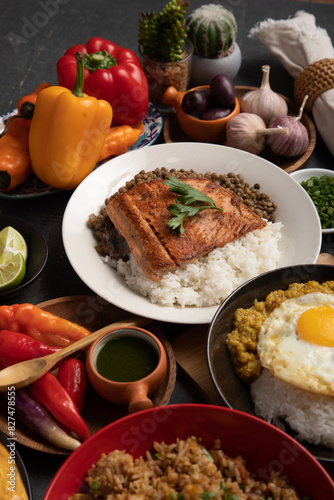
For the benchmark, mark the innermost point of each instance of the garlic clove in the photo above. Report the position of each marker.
(263, 101)
(247, 131)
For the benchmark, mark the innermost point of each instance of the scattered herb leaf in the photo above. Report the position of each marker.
(95, 485)
(207, 494)
(183, 208)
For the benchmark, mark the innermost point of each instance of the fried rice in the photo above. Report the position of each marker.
(184, 470)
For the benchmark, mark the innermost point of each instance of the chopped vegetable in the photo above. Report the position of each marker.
(40, 325)
(183, 208)
(38, 420)
(48, 392)
(321, 191)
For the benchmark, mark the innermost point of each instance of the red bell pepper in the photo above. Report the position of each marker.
(112, 73)
(16, 347)
(48, 392)
(73, 377)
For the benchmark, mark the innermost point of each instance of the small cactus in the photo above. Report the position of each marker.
(212, 30)
(162, 36)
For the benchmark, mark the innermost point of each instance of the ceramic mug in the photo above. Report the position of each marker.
(134, 393)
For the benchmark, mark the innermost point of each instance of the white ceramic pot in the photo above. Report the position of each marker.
(204, 69)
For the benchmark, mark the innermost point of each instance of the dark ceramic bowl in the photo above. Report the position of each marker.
(37, 251)
(19, 464)
(234, 393)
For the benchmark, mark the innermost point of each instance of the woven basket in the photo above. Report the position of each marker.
(313, 81)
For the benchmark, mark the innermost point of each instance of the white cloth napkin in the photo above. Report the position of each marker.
(298, 42)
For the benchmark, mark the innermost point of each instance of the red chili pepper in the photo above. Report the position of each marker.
(73, 377)
(112, 73)
(48, 392)
(16, 347)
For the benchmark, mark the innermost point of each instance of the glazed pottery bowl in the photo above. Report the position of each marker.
(199, 130)
(265, 448)
(37, 251)
(130, 382)
(233, 392)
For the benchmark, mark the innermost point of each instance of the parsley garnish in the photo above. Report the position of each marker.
(183, 208)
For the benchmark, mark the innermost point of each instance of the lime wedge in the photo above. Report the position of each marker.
(12, 241)
(12, 270)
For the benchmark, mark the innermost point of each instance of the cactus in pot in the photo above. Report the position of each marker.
(165, 50)
(212, 30)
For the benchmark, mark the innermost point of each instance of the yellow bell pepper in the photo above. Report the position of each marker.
(67, 133)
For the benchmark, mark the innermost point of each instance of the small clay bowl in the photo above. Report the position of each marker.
(109, 383)
(199, 130)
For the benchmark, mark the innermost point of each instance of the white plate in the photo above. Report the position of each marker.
(298, 246)
(303, 175)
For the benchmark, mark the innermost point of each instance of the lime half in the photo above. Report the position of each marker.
(12, 270)
(12, 241)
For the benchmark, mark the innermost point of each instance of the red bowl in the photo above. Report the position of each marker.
(264, 446)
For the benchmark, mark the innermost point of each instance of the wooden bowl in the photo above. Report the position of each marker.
(173, 133)
(93, 313)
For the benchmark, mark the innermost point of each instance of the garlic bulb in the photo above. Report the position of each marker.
(248, 132)
(264, 101)
(294, 144)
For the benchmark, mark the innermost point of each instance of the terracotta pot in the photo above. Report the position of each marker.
(134, 394)
(196, 129)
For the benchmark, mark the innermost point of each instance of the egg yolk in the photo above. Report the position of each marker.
(316, 325)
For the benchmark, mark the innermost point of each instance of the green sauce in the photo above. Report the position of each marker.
(126, 359)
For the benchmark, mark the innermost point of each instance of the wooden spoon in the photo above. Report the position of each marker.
(25, 373)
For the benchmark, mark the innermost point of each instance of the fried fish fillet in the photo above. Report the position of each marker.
(140, 215)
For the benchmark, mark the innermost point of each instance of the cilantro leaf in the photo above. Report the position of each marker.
(183, 208)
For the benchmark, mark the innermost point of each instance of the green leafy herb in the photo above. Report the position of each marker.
(183, 208)
(95, 485)
(156, 456)
(207, 494)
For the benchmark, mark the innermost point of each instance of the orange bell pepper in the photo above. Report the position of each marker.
(120, 139)
(67, 133)
(15, 164)
(26, 104)
(40, 325)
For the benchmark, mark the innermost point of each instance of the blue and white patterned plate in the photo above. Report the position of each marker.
(34, 187)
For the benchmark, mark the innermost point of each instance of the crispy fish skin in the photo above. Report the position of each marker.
(141, 215)
(142, 240)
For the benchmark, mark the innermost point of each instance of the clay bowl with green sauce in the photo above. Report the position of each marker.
(126, 366)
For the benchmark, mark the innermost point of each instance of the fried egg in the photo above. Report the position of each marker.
(296, 342)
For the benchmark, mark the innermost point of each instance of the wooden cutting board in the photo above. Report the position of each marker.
(190, 353)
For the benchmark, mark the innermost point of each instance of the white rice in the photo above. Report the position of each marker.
(310, 415)
(210, 279)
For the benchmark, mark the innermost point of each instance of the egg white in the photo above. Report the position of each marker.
(301, 363)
